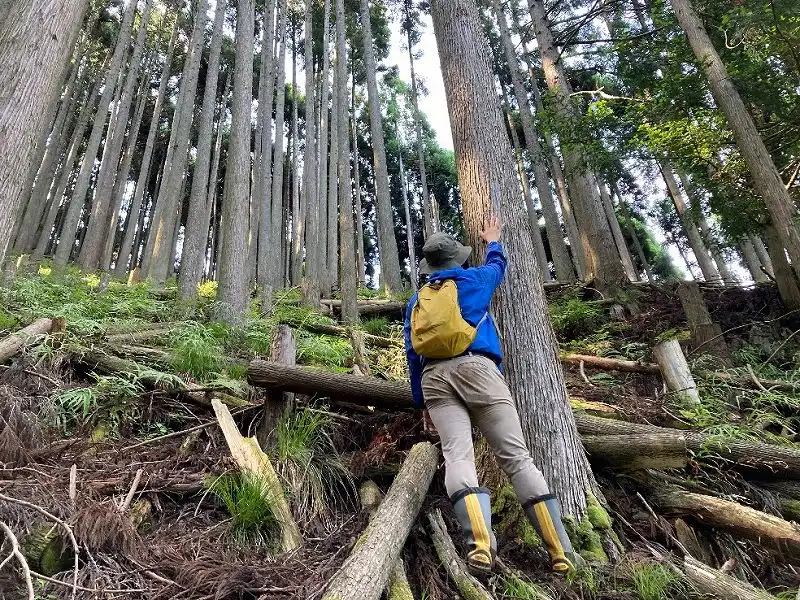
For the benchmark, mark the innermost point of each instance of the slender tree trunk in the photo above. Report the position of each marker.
(298, 225)
(349, 280)
(576, 247)
(787, 285)
(232, 295)
(277, 232)
(36, 41)
(69, 228)
(766, 179)
(158, 252)
(412, 258)
(751, 261)
(484, 160)
(359, 230)
(122, 177)
(314, 251)
(555, 237)
(704, 261)
(533, 216)
(195, 239)
(127, 246)
(212, 208)
(390, 263)
(430, 210)
(763, 255)
(102, 205)
(619, 240)
(262, 179)
(327, 166)
(332, 196)
(626, 213)
(603, 263)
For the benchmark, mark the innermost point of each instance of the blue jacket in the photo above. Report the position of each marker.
(476, 286)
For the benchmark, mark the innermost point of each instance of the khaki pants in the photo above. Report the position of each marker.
(471, 388)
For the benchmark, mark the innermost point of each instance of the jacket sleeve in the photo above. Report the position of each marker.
(494, 267)
(414, 360)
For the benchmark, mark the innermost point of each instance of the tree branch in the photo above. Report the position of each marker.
(15, 551)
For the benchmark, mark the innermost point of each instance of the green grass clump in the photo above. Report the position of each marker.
(323, 350)
(196, 350)
(376, 326)
(253, 521)
(109, 401)
(654, 581)
(520, 588)
(572, 317)
(314, 474)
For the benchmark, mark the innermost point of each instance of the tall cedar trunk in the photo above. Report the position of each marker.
(704, 261)
(102, 204)
(347, 271)
(390, 262)
(277, 232)
(619, 240)
(69, 227)
(298, 228)
(332, 188)
(36, 41)
(412, 258)
(430, 209)
(533, 216)
(195, 238)
(766, 179)
(359, 230)
(159, 249)
(626, 214)
(232, 295)
(578, 257)
(555, 237)
(751, 260)
(81, 124)
(326, 169)
(261, 243)
(483, 161)
(603, 265)
(127, 245)
(212, 206)
(787, 285)
(763, 255)
(314, 251)
(125, 167)
(37, 204)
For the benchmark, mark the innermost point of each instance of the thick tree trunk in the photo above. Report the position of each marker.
(69, 227)
(11, 344)
(485, 169)
(158, 251)
(127, 246)
(232, 295)
(102, 214)
(555, 237)
(602, 258)
(359, 231)
(367, 570)
(766, 530)
(766, 179)
(675, 370)
(195, 239)
(619, 239)
(36, 41)
(390, 263)
(705, 333)
(533, 216)
(701, 253)
(347, 266)
(315, 250)
(787, 284)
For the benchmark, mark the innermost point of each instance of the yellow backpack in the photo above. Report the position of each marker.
(437, 328)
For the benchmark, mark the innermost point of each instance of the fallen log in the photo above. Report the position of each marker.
(372, 307)
(248, 456)
(774, 533)
(369, 339)
(611, 364)
(365, 573)
(14, 342)
(719, 585)
(124, 337)
(469, 587)
(675, 371)
(637, 452)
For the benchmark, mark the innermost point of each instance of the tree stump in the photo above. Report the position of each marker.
(675, 370)
(706, 334)
(277, 403)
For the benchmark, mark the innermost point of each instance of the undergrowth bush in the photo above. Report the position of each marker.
(376, 325)
(110, 402)
(572, 317)
(323, 350)
(196, 349)
(253, 520)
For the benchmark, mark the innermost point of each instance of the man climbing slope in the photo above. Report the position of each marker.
(454, 360)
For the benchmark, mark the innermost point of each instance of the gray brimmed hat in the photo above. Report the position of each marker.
(441, 253)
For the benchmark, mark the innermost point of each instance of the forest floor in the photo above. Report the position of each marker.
(132, 463)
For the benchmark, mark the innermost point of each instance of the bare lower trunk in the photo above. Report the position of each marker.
(784, 279)
(314, 248)
(298, 229)
(751, 260)
(763, 255)
(619, 239)
(626, 213)
(484, 162)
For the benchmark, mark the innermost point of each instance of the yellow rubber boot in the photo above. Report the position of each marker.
(473, 509)
(544, 513)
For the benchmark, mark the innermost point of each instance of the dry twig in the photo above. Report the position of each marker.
(16, 552)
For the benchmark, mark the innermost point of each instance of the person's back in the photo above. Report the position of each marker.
(469, 386)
